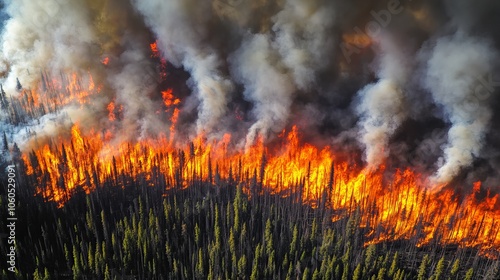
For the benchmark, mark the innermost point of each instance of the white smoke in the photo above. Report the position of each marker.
(274, 65)
(181, 28)
(45, 34)
(382, 112)
(268, 87)
(71, 37)
(383, 108)
(454, 70)
(139, 110)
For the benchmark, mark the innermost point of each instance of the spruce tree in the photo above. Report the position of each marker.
(5, 142)
(469, 274)
(4, 103)
(19, 87)
(422, 270)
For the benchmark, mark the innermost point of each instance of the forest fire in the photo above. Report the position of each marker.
(375, 123)
(401, 206)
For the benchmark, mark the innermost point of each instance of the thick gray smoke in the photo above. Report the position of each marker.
(302, 38)
(383, 74)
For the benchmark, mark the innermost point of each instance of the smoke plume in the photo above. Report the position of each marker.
(455, 68)
(382, 108)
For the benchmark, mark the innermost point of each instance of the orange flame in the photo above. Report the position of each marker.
(396, 207)
(169, 99)
(154, 49)
(359, 40)
(111, 110)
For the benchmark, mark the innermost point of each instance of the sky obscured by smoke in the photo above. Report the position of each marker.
(409, 83)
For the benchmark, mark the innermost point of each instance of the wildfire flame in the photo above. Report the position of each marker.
(390, 209)
(399, 207)
(56, 94)
(111, 110)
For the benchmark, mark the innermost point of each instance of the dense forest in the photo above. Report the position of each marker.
(219, 230)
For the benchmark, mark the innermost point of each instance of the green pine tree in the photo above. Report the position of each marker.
(469, 274)
(422, 270)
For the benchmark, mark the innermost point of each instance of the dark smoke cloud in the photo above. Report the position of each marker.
(386, 75)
